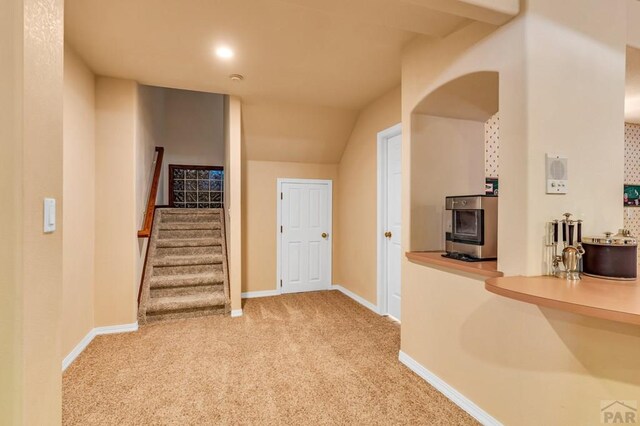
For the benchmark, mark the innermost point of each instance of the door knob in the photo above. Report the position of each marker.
(387, 234)
(325, 235)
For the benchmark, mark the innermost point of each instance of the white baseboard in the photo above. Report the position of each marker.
(66, 362)
(391, 317)
(82, 345)
(355, 297)
(114, 329)
(236, 313)
(263, 293)
(456, 397)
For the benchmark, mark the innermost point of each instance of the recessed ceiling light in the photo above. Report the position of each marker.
(236, 77)
(224, 52)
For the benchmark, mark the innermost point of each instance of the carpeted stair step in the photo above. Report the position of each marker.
(186, 303)
(186, 268)
(185, 290)
(208, 259)
(189, 242)
(190, 212)
(193, 313)
(166, 281)
(180, 226)
(187, 251)
(190, 217)
(164, 234)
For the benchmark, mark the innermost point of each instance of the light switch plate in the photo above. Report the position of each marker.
(49, 215)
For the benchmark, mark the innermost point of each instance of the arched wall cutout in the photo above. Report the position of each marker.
(448, 151)
(473, 96)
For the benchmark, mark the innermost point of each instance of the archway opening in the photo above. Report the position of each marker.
(454, 151)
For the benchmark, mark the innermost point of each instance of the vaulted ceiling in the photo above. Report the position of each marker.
(305, 54)
(337, 53)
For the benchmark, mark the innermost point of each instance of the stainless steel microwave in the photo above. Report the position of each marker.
(472, 227)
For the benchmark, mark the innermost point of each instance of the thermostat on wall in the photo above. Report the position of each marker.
(557, 174)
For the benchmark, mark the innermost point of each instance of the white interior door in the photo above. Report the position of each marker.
(393, 249)
(305, 255)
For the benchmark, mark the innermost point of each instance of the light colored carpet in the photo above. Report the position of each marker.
(311, 358)
(186, 269)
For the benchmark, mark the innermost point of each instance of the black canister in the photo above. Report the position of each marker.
(613, 257)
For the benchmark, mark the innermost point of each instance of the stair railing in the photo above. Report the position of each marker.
(145, 232)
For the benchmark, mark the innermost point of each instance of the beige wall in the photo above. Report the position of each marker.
(259, 202)
(79, 201)
(234, 176)
(117, 171)
(128, 127)
(355, 221)
(447, 158)
(511, 7)
(633, 17)
(149, 134)
(295, 133)
(42, 177)
(495, 12)
(354, 260)
(11, 279)
(522, 364)
(561, 104)
(107, 122)
(428, 65)
(31, 47)
(193, 131)
(117, 250)
(227, 166)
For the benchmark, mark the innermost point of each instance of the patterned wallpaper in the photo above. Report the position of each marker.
(631, 163)
(632, 154)
(492, 146)
(632, 173)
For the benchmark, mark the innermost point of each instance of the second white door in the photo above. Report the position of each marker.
(305, 235)
(392, 212)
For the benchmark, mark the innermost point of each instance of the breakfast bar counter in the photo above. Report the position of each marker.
(606, 299)
(487, 268)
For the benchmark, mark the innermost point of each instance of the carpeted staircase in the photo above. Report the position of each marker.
(186, 267)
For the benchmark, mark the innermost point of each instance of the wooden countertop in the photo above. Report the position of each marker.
(606, 299)
(485, 269)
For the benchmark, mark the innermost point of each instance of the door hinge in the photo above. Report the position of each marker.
(280, 283)
(281, 229)
(281, 196)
